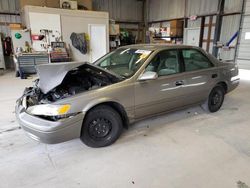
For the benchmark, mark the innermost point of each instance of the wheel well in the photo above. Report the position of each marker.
(224, 85)
(118, 108)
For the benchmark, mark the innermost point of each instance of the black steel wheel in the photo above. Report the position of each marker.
(215, 99)
(102, 127)
(17, 74)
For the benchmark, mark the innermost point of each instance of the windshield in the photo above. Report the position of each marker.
(124, 61)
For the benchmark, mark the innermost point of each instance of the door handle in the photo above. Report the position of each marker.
(179, 83)
(214, 75)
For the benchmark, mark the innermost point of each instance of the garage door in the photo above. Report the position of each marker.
(243, 57)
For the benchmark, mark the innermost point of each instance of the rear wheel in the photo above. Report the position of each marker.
(102, 127)
(215, 99)
(17, 74)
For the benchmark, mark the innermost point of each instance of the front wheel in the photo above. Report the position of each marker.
(102, 127)
(215, 99)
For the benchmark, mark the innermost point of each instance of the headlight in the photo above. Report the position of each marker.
(49, 109)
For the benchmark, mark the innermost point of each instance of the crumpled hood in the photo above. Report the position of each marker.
(52, 75)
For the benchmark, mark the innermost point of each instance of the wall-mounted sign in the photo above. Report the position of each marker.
(18, 35)
(193, 17)
(247, 36)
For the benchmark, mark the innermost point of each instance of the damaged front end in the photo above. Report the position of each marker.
(57, 82)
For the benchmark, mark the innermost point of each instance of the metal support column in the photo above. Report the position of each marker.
(202, 31)
(218, 24)
(145, 15)
(240, 29)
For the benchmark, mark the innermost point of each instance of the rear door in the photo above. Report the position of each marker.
(165, 92)
(200, 75)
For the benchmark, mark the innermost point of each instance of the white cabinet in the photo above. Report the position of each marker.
(2, 62)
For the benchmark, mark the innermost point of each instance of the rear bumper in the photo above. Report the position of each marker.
(50, 132)
(233, 84)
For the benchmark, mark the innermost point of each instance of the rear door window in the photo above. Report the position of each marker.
(195, 60)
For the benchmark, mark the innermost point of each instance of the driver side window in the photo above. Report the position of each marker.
(165, 63)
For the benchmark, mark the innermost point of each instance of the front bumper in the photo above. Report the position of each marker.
(50, 132)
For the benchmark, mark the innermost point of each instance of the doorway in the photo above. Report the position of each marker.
(192, 36)
(98, 41)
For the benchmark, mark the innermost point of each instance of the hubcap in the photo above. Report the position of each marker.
(100, 128)
(216, 99)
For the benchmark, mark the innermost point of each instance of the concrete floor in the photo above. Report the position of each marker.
(189, 148)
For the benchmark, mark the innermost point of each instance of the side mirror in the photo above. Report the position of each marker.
(149, 75)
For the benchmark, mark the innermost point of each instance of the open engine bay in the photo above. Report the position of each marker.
(80, 79)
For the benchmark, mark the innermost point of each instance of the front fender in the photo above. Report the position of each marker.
(95, 102)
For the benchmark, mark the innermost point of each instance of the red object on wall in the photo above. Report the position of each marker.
(37, 37)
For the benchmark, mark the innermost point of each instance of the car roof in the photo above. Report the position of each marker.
(158, 46)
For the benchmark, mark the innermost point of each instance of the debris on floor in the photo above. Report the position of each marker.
(10, 130)
(241, 184)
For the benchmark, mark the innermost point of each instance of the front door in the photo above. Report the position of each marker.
(165, 92)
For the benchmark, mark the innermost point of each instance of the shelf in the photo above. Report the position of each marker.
(171, 37)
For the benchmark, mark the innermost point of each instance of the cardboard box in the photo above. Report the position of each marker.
(176, 24)
(52, 3)
(114, 29)
(86, 3)
(176, 32)
(32, 2)
(15, 26)
(41, 3)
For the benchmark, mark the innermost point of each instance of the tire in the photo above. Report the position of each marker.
(214, 100)
(17, 74)
(101, 127)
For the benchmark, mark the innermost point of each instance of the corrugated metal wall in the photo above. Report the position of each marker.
(4, 23)
(169, 9)
(233, 6)
(230, 25)
(243, 56)
(8, 6)
(201, 7)
(132, 11)
(166, 9)
(120, 10)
